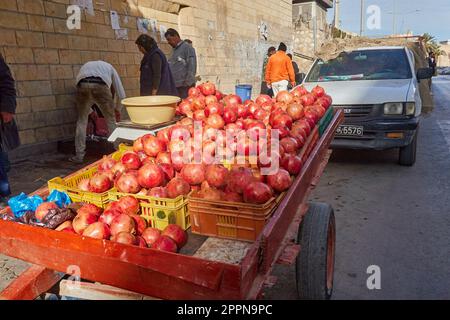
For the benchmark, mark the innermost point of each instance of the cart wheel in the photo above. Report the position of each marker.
(315, 263)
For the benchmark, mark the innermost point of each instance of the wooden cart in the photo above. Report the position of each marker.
(295, 227)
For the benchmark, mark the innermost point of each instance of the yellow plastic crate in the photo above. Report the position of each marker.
(159, 212)
(70, 185)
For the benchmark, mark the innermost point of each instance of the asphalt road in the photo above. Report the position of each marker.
(393, 217)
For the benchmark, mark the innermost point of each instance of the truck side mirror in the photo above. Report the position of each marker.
(424, 73)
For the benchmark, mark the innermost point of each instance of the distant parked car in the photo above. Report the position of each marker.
(445, 71)
(378, 89)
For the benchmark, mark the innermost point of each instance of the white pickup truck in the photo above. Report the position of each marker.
(378, 88)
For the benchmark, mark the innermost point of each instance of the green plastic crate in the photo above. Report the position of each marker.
(325, 121)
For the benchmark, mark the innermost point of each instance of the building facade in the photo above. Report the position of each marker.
(231, 38)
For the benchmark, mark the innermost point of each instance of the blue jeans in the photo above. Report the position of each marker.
(5, 190)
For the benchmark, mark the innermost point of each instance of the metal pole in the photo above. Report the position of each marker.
(362, 18)
(337, 18)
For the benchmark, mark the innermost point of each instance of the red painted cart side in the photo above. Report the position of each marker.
(151, 272)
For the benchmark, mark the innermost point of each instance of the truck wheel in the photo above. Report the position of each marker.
(407, 155)
(315, 263)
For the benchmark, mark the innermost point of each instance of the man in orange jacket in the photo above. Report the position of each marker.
(280, 71)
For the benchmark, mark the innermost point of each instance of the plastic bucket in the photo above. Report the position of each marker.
(244, 91)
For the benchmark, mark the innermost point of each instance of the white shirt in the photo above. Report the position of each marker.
(105, 71)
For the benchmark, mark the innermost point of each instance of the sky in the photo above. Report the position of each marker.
(419, 16)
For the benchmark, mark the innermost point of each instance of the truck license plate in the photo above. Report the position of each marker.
(350, 131)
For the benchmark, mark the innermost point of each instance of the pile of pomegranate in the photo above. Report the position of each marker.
(251, 136)
(120, 222)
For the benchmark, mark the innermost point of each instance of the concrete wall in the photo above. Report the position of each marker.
(303, 23)
(444, 60)
(45, 55)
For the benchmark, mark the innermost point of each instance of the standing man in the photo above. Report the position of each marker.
(156, 78)
(280, 71)
(96, 82)
(183, 63)
(10, 136)
(264, 90)
(296, 70)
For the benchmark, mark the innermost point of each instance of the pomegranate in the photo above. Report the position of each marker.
(209, 193)
(300, 91)
(123, 223)
(290, 145)
(318, 91)
(215, 121)
(229, 116)
(163, 157)
(97, 230)
(281, 120)
(140, 242)
(131, 161)
(138, 146)
(100, 183)
(219, 95)
(128, 183)
(216, 175)
(295, 111)
(186, 108)
(153, 145)
(168, 170)
(159, 192)
(43, 210)
(83, 185)
(109, 215)
(106, 164)
(163, 135)
(140, 223)
(125, 238)
(292, 164)
(208, 89)
(304, 124)
(151, 235)
(232, 99)
(177, 234)
(91, 209)
(312, 118)
(118, 169)
(257, 192)
(298, 131)
(238, 179)
(199, 115)
(179, 133)
(214, 108)
(194, 174)
(232, 197)
(82, 221)
(193, 92)
(129, 205)
(263, 99)
(242, 111)
(198, 102)
(178, 187)
(165, 244)
(211, 99)
(307, 100)
(151, 176)
(280, 181)
(285, 97)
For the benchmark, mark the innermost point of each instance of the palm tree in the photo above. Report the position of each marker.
(432, 45)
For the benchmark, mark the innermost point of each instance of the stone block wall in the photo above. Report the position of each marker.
(45, 56)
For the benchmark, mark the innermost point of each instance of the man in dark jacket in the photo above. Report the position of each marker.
(9, 128)
(156, 78)
(183, 63)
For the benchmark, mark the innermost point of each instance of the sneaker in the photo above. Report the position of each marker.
(76, 159)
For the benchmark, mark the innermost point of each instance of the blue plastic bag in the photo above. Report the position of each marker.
(60, 198)
(22, 203)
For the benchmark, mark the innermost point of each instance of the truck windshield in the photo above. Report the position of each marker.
(362, 65)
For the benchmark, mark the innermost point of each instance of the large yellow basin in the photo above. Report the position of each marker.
(151, 109)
